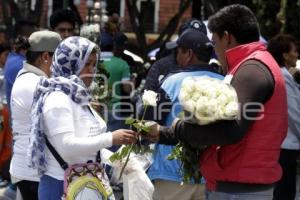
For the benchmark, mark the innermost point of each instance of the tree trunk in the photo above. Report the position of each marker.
(196, 9)
(137, 23)
(11, 13)
(36, 14)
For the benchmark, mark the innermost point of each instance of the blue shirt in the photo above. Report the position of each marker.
(13, 65)
(162, 168)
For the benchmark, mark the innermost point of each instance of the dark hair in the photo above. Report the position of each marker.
(21, 43)
(62, 15)
(203, 55)
(32, 56)
(237, 20)
(5, 47)
(19, 26)
(280, 44)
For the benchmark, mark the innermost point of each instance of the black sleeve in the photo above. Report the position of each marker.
(152, 82)
(254, 84)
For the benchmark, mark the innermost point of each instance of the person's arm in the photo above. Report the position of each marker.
(127, 84)
(59, 123)
(254, 84)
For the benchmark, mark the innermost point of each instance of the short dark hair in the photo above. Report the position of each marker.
(32, 56)
(237, 20)
(280, 44)
(62, 15)
(203, 56)
(21, 43)
(21, 25)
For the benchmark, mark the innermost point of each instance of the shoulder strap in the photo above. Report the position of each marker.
(58, 158)
(98, 156)
(25, 72)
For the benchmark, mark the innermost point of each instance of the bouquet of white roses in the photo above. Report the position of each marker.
(204, 100)
(143, 127)
(207, 99)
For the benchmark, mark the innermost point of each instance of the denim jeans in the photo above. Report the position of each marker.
(50, 188)
(262, 195)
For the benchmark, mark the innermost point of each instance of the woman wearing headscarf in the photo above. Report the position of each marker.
(62, 112)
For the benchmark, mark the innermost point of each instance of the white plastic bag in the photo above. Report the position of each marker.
(136, 184)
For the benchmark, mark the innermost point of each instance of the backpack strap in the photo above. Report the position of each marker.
(58, 158)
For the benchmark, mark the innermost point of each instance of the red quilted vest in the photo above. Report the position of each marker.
(254, 159)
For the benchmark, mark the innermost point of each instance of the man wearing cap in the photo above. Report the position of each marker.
(164, 66)
(242, 161)
(194, 51)
(38, 62)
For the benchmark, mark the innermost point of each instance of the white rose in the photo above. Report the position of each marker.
(184, 96)
(149, 98)
(231, 110)
(188, 85)
(189, 106)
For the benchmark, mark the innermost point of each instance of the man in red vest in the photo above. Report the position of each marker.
(242, 159)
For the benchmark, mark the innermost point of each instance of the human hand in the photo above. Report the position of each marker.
(124, 136)
(153, 134)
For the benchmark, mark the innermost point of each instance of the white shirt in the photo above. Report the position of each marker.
(76, 132)
(21, 101)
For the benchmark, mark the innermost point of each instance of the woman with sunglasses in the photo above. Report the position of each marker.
(61, 111)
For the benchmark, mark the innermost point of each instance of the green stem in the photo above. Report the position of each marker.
(144, 113)
(126, 161)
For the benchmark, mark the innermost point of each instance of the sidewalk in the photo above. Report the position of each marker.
(2, 194)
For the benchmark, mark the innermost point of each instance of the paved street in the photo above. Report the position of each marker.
(118, 195)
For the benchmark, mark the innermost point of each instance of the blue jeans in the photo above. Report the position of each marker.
(50, 188)
(262, 195)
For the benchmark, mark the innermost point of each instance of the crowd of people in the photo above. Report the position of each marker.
(50, 120)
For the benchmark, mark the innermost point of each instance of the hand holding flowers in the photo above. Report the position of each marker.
(204, 100)
(143, 127)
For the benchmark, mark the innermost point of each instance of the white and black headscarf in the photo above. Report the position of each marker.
(68, 61)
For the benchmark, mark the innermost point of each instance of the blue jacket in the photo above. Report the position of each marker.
(162, 168)
(13, 65)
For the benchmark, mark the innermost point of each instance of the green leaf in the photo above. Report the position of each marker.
(114, 157)
(146, 129)
(181, 115)
(137, 126)
(130, 121)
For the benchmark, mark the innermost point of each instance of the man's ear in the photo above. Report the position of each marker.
(190, 54)
(285, 56)
(45, 56)
(226, 37)
(231, 41)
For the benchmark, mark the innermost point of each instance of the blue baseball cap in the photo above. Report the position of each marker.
(194, 24)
